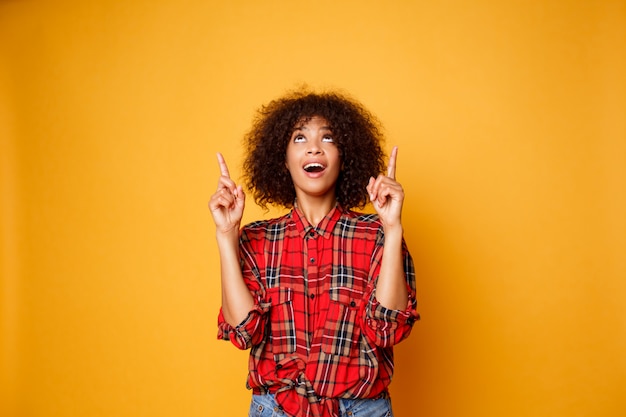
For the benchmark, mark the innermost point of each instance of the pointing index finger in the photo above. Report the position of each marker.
(223, 167)
(391, 168)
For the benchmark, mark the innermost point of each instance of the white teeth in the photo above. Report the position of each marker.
(313, 166)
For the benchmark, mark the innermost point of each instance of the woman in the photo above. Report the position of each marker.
(321, 294)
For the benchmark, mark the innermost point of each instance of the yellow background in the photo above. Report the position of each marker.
(510, 118)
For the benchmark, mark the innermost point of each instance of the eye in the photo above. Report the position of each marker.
(299, 138)
(328, 138)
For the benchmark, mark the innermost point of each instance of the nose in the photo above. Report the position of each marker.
(313, 151)
(314, 148)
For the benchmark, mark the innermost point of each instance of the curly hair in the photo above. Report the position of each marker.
(357, 133)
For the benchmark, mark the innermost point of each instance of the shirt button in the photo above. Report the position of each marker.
(352, 304)
(312, 296)
(312, 260)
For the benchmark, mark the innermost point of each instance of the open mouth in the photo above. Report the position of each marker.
(314, 167)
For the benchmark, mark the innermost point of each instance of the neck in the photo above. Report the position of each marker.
(315, 209)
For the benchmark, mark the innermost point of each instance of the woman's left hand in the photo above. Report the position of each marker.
(387, 194)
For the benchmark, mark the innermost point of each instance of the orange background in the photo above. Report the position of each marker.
(510, 118)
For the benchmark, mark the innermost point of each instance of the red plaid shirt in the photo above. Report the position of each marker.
(317, 332)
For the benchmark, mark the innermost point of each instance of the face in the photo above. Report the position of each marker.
(313, 159)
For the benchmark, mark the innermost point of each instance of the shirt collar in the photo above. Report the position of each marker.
(324, 228)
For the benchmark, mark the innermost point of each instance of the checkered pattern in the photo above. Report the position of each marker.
(317, 332)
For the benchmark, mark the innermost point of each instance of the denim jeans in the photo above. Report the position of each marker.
(266, 406)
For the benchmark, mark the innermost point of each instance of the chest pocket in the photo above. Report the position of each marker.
(282, 328)
(341, 331)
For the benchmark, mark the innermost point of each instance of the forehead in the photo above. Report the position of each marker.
(308, 122)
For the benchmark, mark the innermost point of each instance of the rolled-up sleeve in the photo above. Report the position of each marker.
(247, 333)
(382, 326)
(252, 329)
(385, 327)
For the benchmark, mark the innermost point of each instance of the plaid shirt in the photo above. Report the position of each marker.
(317, 332)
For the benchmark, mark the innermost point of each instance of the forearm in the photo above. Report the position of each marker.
(237, 301)
(391, 288)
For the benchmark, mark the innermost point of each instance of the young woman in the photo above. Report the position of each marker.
(321, 294)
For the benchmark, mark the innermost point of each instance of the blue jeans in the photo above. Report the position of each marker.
(266, 406)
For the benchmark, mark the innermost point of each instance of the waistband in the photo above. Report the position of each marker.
(272, 389)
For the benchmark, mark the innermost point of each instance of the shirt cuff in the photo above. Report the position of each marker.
(408, 316)
(248, 332)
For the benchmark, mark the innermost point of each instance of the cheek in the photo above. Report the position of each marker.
(337, 158)
(288, 157)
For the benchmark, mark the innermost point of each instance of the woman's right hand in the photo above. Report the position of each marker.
(228, 202)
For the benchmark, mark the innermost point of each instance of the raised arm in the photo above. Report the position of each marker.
(387, 197)
(226, 207)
